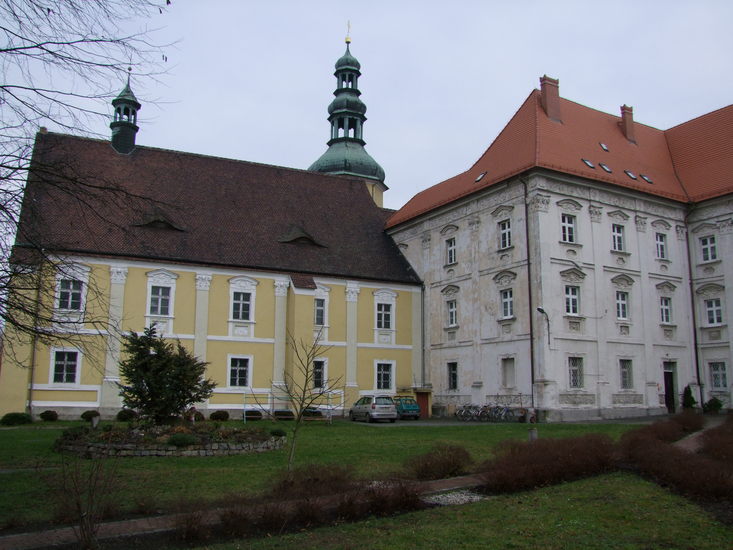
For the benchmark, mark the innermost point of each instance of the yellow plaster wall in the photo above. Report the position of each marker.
(14, 374)
(261, 365)
(366, 365)
(135, 301)
(337, 313)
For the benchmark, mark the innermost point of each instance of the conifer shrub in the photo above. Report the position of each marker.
(440, 462)
(688, 401)
(219, 416)
(126, 415)
(49, 416)
(712, 406)
(88, 415)
(15, 419)
(525, 465)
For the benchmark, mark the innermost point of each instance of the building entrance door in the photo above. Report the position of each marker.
(670, 399)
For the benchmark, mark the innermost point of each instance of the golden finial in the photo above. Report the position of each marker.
(348, 32)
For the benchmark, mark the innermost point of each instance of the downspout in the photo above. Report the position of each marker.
(34, 340)
(529, 291)
(690, 208)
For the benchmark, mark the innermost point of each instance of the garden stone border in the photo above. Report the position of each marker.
(99, 450)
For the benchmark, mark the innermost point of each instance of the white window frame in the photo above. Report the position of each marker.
(384, 316)
(242, 328)
(505, 234)
(452, 372)
(568, 224)
(77, 368)
(626, 374)
(665, 310)
(622, 305)
(506, 297)
(660, 241)
(718, 375)
(450, 251)
(161, 278)
(71, 273)
(392, 370)
(708, 248)
(246, 301)
(324, 373)
(572, 300)
(713, 311)
(249, 359)
(451, 307)
(575, 372)
(508, 372)
(320, 331)
(618, 241)
(319, 312)
(385, 334)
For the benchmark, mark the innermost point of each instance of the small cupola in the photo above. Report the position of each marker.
(124, 124)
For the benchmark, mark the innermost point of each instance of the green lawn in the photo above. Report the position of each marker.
(27, 462)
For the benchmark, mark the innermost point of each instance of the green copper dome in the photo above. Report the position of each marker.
(346, 154)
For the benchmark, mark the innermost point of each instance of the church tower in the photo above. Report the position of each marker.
(346, 154)
(124, 125)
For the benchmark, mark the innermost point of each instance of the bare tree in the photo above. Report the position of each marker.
(61, 62)
(305, 385)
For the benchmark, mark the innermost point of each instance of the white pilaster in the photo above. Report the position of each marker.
(281, 340)
(201, 326)
(109, 398)
(352, 297)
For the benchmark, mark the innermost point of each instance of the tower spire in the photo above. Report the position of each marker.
(124, 124)
(346, 154)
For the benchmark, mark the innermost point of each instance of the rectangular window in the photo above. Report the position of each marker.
(384, 316)
(452, 376)
(319, 373)
(572, 300)
(452, 310)
(64, 367)
(241, 305)
(617, 237)
(507, 372)
(507, 303)
(450, 251)
(661, 242)
(718, 375)
(567, 223)
(320, 311)
(622, 305)
(709, 250)
(665, 310)
(384, 376)
(70, 294)
(627, 379)
(575, 371)
(714, 311)
(505, 234)
(239, 371)
(160, 297)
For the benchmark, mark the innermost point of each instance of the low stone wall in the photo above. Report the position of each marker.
(95, 450)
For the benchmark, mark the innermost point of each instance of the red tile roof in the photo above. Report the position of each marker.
(185, 208)
(692, 161)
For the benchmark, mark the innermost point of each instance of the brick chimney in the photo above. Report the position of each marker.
(550, 91)
(627, 123)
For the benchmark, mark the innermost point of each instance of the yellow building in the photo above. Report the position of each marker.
(234, 259)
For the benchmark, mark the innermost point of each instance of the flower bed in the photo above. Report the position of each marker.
(94, 450)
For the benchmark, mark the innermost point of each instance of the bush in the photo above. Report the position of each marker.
(283, 415)
(16, 419)
(688, 402)
(526, 465)
(253, 415)
(663, 430)
(220, 416)
(88, 415)
(314, 480)
(126, 415)
(49, 416)
(717, 443)
(712, 406)
(182, 439)
(440, 462)
(312, 413)
(277, 432)
(689, 420)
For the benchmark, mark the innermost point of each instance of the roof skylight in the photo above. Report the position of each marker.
(603, 146)
(480, 177)
(606, 168)
(646, 178)
(630, 174)
(588, 163)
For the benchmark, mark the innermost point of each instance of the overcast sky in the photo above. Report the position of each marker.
(252, 80)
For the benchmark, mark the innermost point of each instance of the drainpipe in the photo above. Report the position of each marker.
(690, 208)
(529, 291)
(34, 340)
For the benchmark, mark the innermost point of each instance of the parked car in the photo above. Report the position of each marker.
(407, 407)
(371, 408)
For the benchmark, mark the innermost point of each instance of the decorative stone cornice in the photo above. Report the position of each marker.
(281, 287)
(539, 203)
(596, 213)
(352, 291)
(118, 275)
(640, 224)
(203, 281)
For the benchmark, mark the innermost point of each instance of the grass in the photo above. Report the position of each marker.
(169, 483)
(613, 511)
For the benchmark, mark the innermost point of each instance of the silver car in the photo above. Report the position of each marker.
(371, 408)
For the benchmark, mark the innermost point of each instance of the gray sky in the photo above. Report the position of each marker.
(251, 80)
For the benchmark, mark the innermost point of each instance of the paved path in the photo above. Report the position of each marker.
(159, 524)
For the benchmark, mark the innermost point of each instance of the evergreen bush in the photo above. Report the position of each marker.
(88, 415)
(126, 415)
(688, 402)
(15, 419)
(49, 416)
(219, 416)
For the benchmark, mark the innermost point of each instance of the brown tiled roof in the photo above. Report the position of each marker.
(689, 162)
(179, 207)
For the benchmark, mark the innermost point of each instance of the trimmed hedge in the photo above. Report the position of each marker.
(126, 415)
(88, 415)
(49, 416)
(16, 419)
